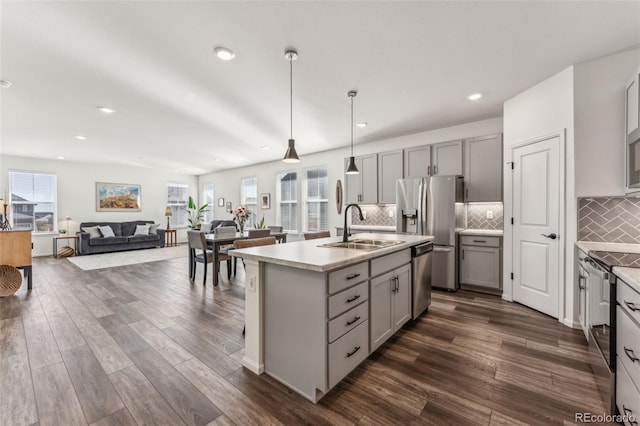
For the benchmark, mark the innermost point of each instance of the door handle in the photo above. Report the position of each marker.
(435, 170)
(551, 236)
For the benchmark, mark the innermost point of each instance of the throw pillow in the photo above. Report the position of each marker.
(142, 230)
(153, 229)
(106, 231)
(93, 231)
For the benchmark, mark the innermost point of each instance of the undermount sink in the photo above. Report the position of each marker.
(363, 244)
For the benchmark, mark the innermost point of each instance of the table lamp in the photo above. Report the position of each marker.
(4, 221)
(67, 218)
(168, 214)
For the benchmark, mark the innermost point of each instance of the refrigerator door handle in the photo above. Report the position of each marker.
(443, 249)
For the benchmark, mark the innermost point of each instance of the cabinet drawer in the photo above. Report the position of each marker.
(627, 396)
(479, 240)
(628, 345)
(343, 278)
(386, 263)
(347, 352)
(341, 302)
(348, 321)
(629, 300)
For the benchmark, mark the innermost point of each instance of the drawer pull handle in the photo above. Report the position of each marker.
(350, 354)
(631, 306)
(351, 299)
(353, 320)
(631, 354)
(350, 277)
(479, 241)
(630, 415)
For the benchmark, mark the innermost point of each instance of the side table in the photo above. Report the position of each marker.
(64, 237)
(172, 237)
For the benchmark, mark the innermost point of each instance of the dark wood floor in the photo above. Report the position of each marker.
(142, 344)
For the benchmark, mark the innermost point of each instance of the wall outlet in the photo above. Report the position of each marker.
(489, 214)
(390, 213)
(252, 284)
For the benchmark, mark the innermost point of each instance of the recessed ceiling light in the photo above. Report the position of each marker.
(106, 110)
(224, 53)
(363, 124)
(264, 147)
(475, 96)
(60, 157)
(5, 83)
(80, 137)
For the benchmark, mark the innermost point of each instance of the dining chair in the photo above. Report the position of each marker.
(259, 233)
(198, 241)
(276, 228)
(224, 250)
(206, 228)
(315, 235)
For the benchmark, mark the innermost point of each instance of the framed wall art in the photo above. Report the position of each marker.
(118, 197)
(220, 202)
(265, 201)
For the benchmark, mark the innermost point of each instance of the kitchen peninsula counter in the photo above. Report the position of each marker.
(313, 313)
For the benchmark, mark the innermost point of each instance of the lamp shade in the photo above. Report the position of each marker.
(167, 211)
(352, 169)
(291, 156)
(68, 218)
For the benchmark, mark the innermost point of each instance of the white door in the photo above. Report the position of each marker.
(536, 213)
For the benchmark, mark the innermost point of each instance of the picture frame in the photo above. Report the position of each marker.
(228, 207)
(265, 201)
(118, 197)
(220, 202)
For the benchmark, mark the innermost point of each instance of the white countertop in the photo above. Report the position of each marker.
(307, 255)
(369, 227)
(484, 232)
(587, 246)
(631, 276)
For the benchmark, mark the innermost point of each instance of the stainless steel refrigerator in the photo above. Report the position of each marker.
(427, 206)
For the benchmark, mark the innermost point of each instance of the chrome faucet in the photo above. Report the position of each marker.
(345, 230)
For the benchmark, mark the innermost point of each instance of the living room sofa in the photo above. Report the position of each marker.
(123, 240)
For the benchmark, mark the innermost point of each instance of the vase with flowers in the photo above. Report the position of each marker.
(240, 216)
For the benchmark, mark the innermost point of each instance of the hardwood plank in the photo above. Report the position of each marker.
(221, 421)
(170, 350)
(128, 340)
(156, 318)
(12, 339)
(106, 350)
(17, 400)
(56, 398)
(231, 401)
(65, 332)
(144, 402)
(119, 418)
(100, 291)
(95, 392)
(42, 346)
(186, 400)
(499, 419)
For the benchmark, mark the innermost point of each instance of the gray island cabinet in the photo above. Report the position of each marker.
(321, 311)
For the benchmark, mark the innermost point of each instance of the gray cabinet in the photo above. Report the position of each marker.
(480, 259)
(417, 161)
(632, 99)
(390, 300)
(483, 169)
(390, 169)
(447, 158)
(363, 187)
(627, 351)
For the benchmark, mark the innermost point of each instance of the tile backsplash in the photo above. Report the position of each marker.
(376, 215)
(477, 216)
(609, 219)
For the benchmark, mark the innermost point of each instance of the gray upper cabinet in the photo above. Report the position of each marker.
(483, 169)
(632, 97)
(389, 170)
(447, 158)
(363, 187)
(417, 161)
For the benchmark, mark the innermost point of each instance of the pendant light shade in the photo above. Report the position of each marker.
(352, 169)
(291, 156)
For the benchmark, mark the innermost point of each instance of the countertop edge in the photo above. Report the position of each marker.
(587, 246)
(484, 232)
(631, 276)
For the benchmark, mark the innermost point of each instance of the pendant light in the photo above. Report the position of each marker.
(291, 156)
(352, 169)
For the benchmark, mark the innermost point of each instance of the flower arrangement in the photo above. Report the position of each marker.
(240, 216)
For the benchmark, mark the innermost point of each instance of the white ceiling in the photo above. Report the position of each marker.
(180, 108)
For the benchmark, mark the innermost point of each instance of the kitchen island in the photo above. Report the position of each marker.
(313, 313)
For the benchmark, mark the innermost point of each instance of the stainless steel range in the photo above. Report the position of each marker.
(601, 316)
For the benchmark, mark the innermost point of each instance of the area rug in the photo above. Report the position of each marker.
(122, 258)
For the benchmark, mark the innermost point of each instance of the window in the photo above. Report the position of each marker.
(33, 201)
(177, 200)
(317, 199)
(287, 199)
(209, 199)
(249, 197)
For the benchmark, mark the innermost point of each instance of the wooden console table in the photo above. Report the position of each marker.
(64, 237)
(171, 236)
(15, 250)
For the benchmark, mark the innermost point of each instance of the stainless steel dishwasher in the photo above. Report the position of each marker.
(421, 258)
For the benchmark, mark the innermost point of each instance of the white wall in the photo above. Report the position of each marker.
(600, 121)
(543, 109)
(227, 183)
(76, 192)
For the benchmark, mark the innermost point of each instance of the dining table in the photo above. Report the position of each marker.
(214, 242)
